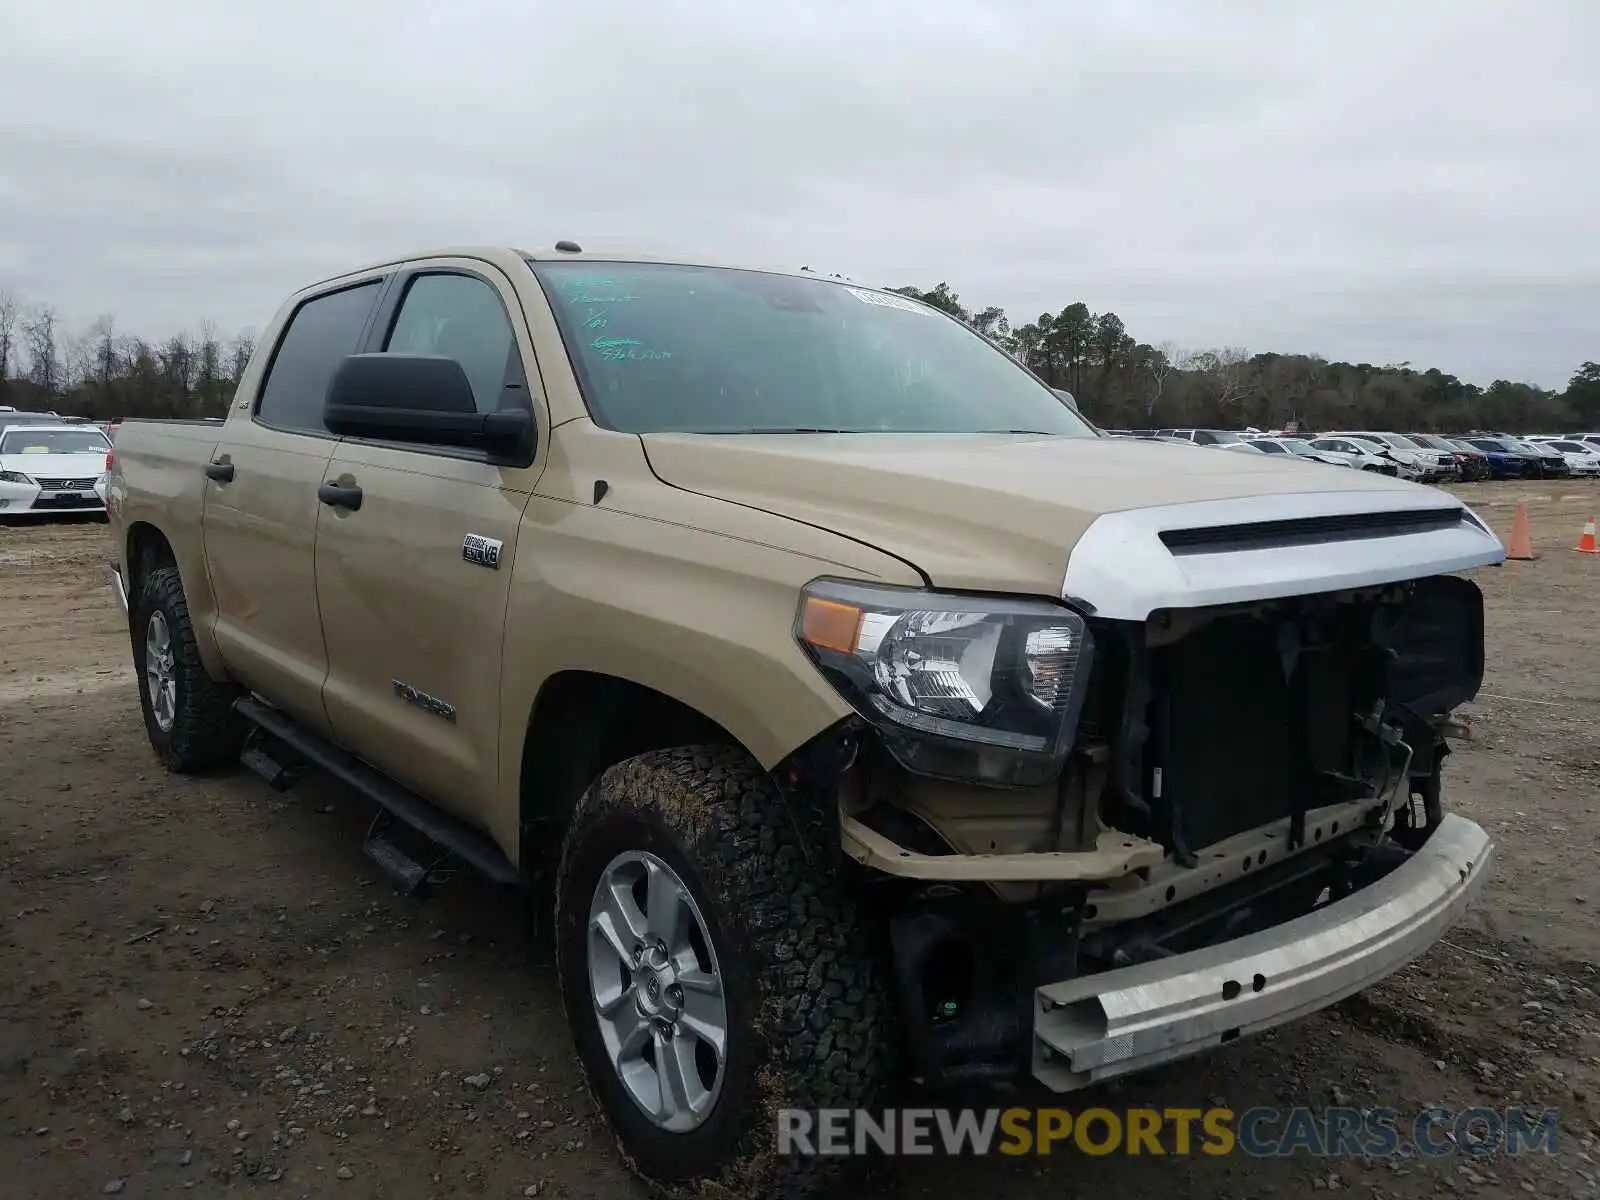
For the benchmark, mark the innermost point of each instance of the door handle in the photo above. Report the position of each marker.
(336, 496)
(221, 470)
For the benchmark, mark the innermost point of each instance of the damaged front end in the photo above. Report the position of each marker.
(1144, 802)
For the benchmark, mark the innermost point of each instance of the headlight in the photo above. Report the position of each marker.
(14, 477)
(963, 687)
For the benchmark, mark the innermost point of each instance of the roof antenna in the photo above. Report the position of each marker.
(567, 246)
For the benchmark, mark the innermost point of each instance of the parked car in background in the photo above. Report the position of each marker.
(1549, 462)
(1552, 463)
(10, 417)
(1582, 458)
(1541, 461)
(1202, 437)
(51, 470)
(1429, 466)
(1471, 463)
(1362, 455)
(1299, 448)
(1505, 462)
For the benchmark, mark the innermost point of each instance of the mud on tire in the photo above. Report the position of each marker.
(803, 975)
(198, 730)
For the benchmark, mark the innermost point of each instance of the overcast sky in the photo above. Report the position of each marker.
(1384, 181)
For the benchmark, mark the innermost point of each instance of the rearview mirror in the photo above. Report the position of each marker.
(421, 399)
(1066, 398)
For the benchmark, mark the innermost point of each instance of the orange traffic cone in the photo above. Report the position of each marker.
(1521, 545)
(1586, 544)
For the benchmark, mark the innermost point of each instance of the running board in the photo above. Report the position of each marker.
(470, 845)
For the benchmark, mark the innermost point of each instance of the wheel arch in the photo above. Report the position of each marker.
(147, 548)
(581, 723)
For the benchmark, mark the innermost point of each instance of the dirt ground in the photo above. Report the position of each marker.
(204, 987)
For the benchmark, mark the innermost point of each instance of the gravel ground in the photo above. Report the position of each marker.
(205, 988)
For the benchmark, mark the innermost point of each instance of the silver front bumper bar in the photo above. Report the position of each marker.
(1118, 1022)
(119, 588)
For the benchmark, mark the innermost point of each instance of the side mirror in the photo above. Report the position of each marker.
(423, 399)
(1066, 398)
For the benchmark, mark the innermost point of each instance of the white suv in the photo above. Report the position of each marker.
(1416, 461)
(1583, 457)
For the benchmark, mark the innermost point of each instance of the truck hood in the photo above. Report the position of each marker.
(996, 512)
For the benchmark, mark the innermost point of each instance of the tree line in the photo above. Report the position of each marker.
(1123, 383)
(103, 373)
(1120, 382)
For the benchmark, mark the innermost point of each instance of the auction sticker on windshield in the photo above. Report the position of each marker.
(886, 301)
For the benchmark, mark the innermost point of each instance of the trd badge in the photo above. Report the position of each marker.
(482, 551)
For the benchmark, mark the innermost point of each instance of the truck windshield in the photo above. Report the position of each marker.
(53, 441)
(671, 348)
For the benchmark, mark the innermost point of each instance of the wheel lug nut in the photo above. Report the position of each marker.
(675, 994)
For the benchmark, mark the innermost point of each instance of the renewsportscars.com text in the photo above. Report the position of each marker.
(1256, 1132)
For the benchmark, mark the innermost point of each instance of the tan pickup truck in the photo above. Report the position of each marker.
(845, 707)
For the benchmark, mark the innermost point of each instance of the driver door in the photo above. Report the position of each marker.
(413, 622)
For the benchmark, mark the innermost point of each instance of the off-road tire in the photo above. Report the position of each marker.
(803, 966)
(206, 733)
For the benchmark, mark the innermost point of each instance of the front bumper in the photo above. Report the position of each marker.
(1115, 1023)
(30, 500)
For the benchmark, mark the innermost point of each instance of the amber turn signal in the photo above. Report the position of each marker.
(829, 625)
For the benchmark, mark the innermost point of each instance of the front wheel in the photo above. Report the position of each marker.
(188, 716)
(714, 970)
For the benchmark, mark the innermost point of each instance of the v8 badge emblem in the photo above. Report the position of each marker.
(481, 551)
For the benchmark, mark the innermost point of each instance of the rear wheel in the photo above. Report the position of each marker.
(188, 716)
(714, 970)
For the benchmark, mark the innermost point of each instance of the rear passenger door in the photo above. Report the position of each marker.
(413, 584)
(261, 511)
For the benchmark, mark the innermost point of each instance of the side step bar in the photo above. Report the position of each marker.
(470, 845)
(258, 758)
(406, 873)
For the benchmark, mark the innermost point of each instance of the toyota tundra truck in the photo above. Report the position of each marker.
(842, 707)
